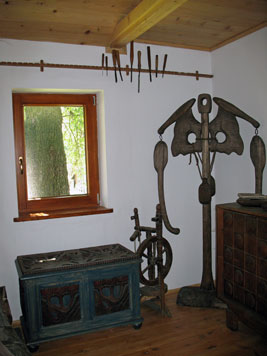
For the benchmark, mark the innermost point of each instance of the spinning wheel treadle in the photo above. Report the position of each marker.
(152, 291)
(148, 268)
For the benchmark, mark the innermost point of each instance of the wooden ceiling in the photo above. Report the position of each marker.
(195, 24)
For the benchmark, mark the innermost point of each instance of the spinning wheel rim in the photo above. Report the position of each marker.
(167, 261)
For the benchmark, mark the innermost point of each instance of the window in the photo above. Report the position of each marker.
(56, 155)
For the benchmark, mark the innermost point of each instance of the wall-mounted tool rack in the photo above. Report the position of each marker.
(116, 66)
(126, 69)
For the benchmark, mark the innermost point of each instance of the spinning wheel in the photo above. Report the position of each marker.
(150, 259)
(156, 259)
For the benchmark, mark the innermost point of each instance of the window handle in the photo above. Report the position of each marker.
(21, 164)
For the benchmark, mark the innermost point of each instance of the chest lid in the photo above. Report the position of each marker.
(74, 259)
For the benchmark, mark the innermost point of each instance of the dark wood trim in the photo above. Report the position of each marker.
(62, 213)
(28, 208)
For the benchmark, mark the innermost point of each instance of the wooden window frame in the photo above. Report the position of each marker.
(45, 208)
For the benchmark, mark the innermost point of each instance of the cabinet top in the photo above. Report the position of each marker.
(252, 210)
(73, 259)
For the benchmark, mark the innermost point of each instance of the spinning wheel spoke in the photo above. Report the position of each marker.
(154, 248)
(145, 269)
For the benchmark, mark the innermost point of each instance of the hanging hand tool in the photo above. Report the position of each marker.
(107, 65)
(103, 62)
(139, 69)
(164, 64)
(149, 62)
(119, 63)
(114, 64)
(132, 58)
(157, 65)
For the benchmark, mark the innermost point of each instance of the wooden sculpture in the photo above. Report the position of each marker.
(206, 143)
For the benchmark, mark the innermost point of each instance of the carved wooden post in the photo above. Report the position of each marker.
(204, 107)
(160, 259)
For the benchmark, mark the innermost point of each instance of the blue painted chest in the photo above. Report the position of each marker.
(69, 292)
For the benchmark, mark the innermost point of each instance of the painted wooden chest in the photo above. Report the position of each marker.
(76, 291)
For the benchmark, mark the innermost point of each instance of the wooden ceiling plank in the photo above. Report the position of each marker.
(142, 18)
(53, 32)
(204, 24)
(174, 44)
(100, 13)
(240, 35)
(198, 24)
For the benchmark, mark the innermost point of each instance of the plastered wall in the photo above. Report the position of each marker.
(128, 124)
(240, 70)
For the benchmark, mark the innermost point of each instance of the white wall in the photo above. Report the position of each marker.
(240, 76)
(131, 123)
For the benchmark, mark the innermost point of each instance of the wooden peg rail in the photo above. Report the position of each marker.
(43, 65)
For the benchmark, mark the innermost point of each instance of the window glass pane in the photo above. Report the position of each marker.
(55, 151)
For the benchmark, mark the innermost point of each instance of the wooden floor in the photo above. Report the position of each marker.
(190, 332)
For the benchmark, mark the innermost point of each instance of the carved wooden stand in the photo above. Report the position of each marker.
(207, 142)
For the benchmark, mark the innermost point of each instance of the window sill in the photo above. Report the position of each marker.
(63, 213)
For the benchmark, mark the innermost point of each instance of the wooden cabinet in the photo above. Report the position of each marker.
(70, 292)
(241, 275)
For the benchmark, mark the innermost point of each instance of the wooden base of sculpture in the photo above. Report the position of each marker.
(197, 297)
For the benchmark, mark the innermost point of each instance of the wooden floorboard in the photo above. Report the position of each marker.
(189, 332)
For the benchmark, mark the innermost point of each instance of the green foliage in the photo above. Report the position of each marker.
(47, 174)
(74, 144)
(55, 150)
